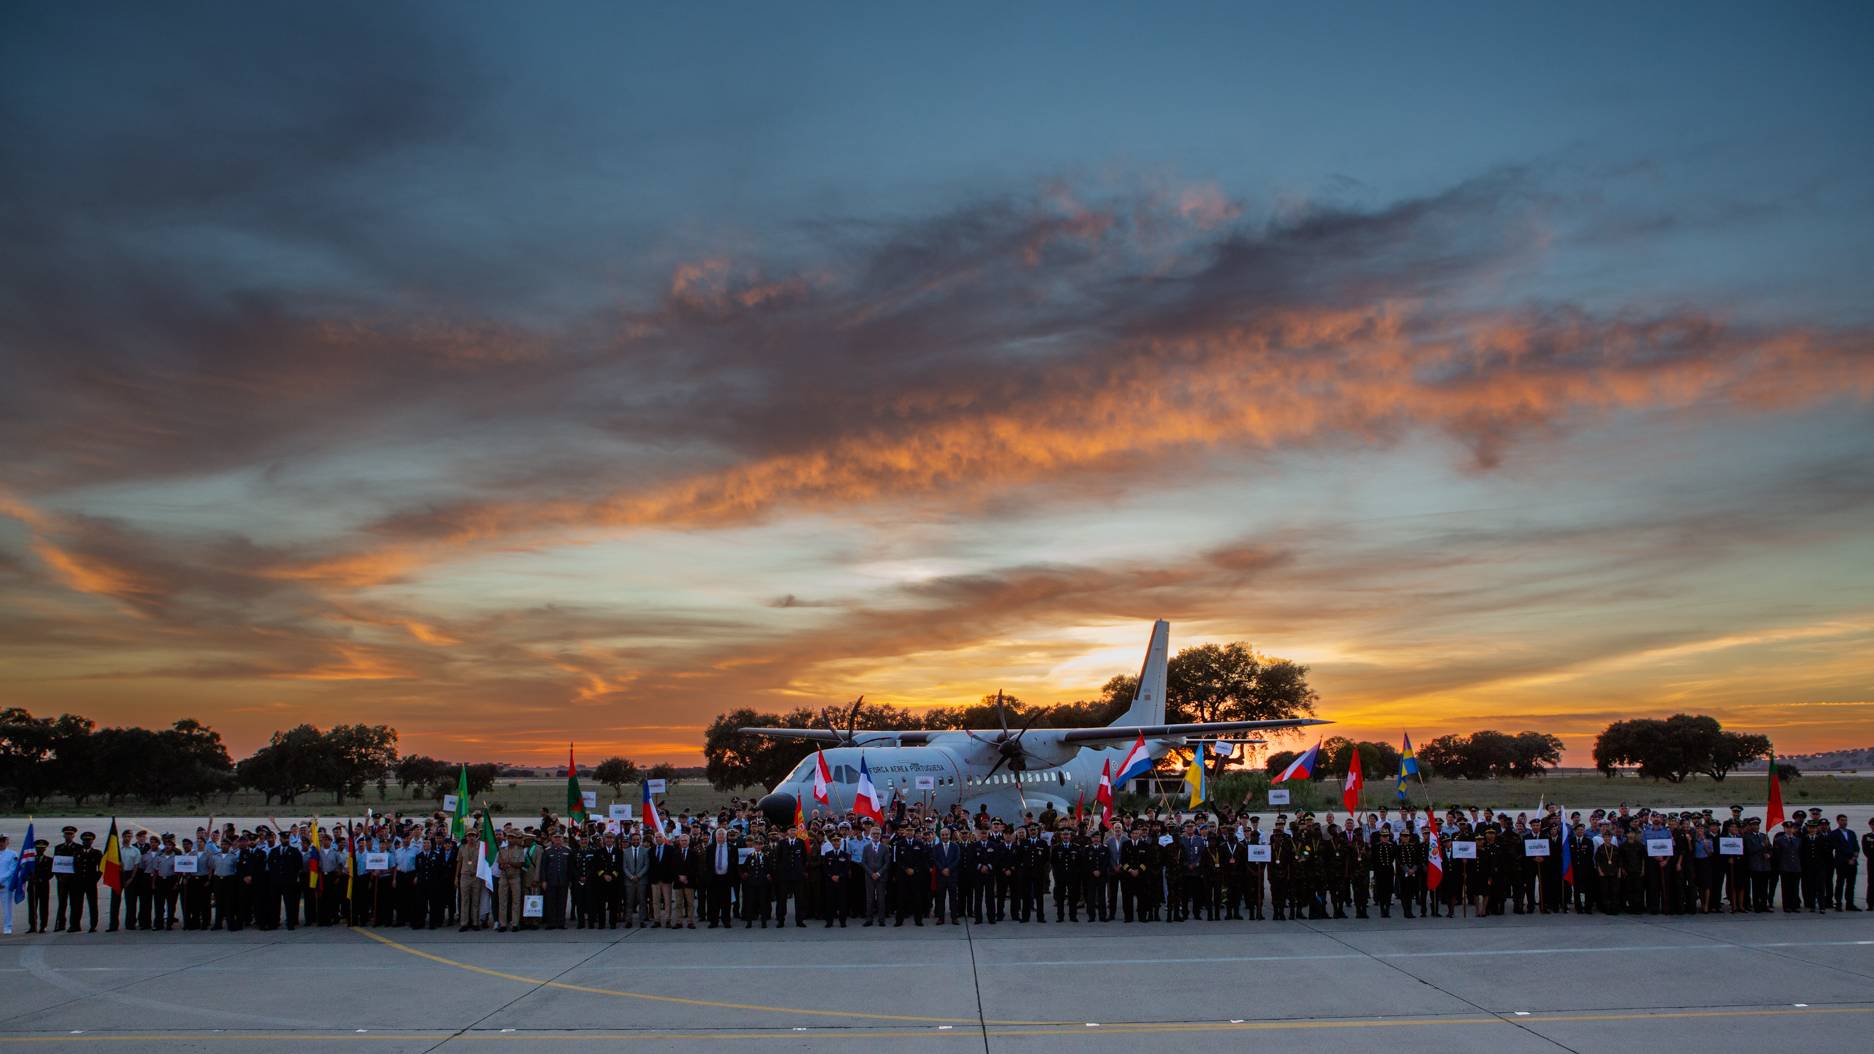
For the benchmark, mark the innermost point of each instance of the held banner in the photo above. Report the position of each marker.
(377, 861)
(1463, 850)
(62, 865)
(1258, 854)
(1730, 847)
(533, 906)
(185, 865)
(1278, 795)
(925, 783)
(1535, 847)
(622, 812)
(590, 798)
(448, 803)
(656, 786)
(1659, 847)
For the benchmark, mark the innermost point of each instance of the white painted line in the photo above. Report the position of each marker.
(1522, 1013)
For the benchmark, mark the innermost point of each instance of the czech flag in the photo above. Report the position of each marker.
(822, 778)
(652, 821)
(1137, 762)
(866, 802)
(1356, 781)
(1434, 854)
(1105, 795)
(1408, 765)
(1302, 767)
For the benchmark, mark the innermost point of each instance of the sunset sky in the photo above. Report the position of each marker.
(513, 374)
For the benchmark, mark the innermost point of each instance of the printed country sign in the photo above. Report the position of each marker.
(448, 803)
(1278, 795)
(623, 812)
(925, 783)
(62, 865)
(591, 799)
(1463, 850)
(1259, 854)
(1535, 847)
(1659, 847)
(186, 865)
(533, 906)
(1730, 847)
(655, 786)
(377, 861)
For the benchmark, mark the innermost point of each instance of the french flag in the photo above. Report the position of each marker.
(866, 802)
(1137, 762)
(822, 778)
(1302, 767)
(652, 821)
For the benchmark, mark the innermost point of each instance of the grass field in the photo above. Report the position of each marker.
(529, 796)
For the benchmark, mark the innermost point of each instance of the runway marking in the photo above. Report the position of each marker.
(1138, 1028)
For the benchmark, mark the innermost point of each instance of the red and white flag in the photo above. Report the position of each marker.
(1350, 790)
(1434, 855)
(1105, 795)
(822, 778)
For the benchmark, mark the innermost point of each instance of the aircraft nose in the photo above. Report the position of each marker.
(778, 808)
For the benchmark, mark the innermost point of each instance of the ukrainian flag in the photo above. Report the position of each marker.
(1195, 779)
(1408, 765)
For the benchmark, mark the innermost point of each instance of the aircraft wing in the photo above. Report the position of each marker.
(862, 737)
(1127, 733)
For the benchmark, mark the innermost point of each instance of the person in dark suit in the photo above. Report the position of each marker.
(911, 876)
(723, 875)
(256, 887)
(787, 859)
(946, 872)
(1847, 857)
(286, 871)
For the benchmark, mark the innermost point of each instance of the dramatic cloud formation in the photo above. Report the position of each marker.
(350, 389)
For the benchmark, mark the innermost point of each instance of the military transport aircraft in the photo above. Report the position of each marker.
(1011, 771)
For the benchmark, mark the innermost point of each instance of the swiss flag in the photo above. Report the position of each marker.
(822, 776)
(1105, 795)
(1350, 790)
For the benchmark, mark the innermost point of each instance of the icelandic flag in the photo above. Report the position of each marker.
(1568, 858)
(29, 856)
(652, 821)
(1105, 795)
(1408, 765)
(822, 778)
(866, 802)
(1302, 767)
(1137, 762)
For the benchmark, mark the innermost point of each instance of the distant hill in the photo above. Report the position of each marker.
(1825, 761)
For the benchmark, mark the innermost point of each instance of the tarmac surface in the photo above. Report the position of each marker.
(1505, 985)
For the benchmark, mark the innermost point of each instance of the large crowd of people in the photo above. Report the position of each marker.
(919, 865)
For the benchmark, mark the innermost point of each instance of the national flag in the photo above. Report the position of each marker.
(575, 801)
(1356, 779)
(1137, 762)
(1302, 767)
(29, 856)
(822, 778)
(1434, 853)
(800, 815)
(866, 802)
(1772, 814)
(1408, 765)
(1194, 777)
(113, 863)
(1104, 796)
(351, 863)
(485, 867)
(1080, 803)
(458, 821)
(312, 857)
(648, 813)
(1568, 856)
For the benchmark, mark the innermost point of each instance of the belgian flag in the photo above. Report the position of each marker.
(113, 860)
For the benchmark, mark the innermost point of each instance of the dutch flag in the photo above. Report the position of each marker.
(1137, 762)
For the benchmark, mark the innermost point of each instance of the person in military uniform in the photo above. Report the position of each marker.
(1034, 877)
(510, 863)
(757, 878)
(87, 868)
(1281, 869)
(1607, 877)
(468, 885)
(836, 868)
(988, 872)
(1253, 871)
(1066, 862)
(1334, 871)
(286, 871)
(1414, 855)
(787, 857)
(1383, 864)
(910, 876)
(66, 885)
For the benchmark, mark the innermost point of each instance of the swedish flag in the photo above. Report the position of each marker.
(1408, 765)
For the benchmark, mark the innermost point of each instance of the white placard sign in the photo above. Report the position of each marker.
(1535, 847)
(62, 865)
(448, 803)
(742, 855)
(377, 861)
(1463, 850)
(186, 865)
(925, 783)
(623, 812)
(1164, 839)
(656, 786)
(1259, 854)
(1659, 847)
(533, 906)
(590, 798)
(1730, 847)
(1278, 795)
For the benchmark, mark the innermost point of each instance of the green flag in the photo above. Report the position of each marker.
(485, 864)
(575, 801)
(458, 823)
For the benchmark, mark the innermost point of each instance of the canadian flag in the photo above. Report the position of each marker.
(822, 777)
(1105, 795)
(866, 802)
(1350, 790)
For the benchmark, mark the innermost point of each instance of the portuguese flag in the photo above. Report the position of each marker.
(1773, 813)
(575, 801)
(113, 860)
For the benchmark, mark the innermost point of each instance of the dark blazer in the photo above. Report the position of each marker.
(285, 866)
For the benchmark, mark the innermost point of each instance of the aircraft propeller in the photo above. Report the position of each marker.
(1007, 744)
(846, 738)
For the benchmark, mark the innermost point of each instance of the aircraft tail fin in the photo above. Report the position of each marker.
(1148, 703)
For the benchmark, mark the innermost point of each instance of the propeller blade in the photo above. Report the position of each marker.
(852, 720)
(1002, 714)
